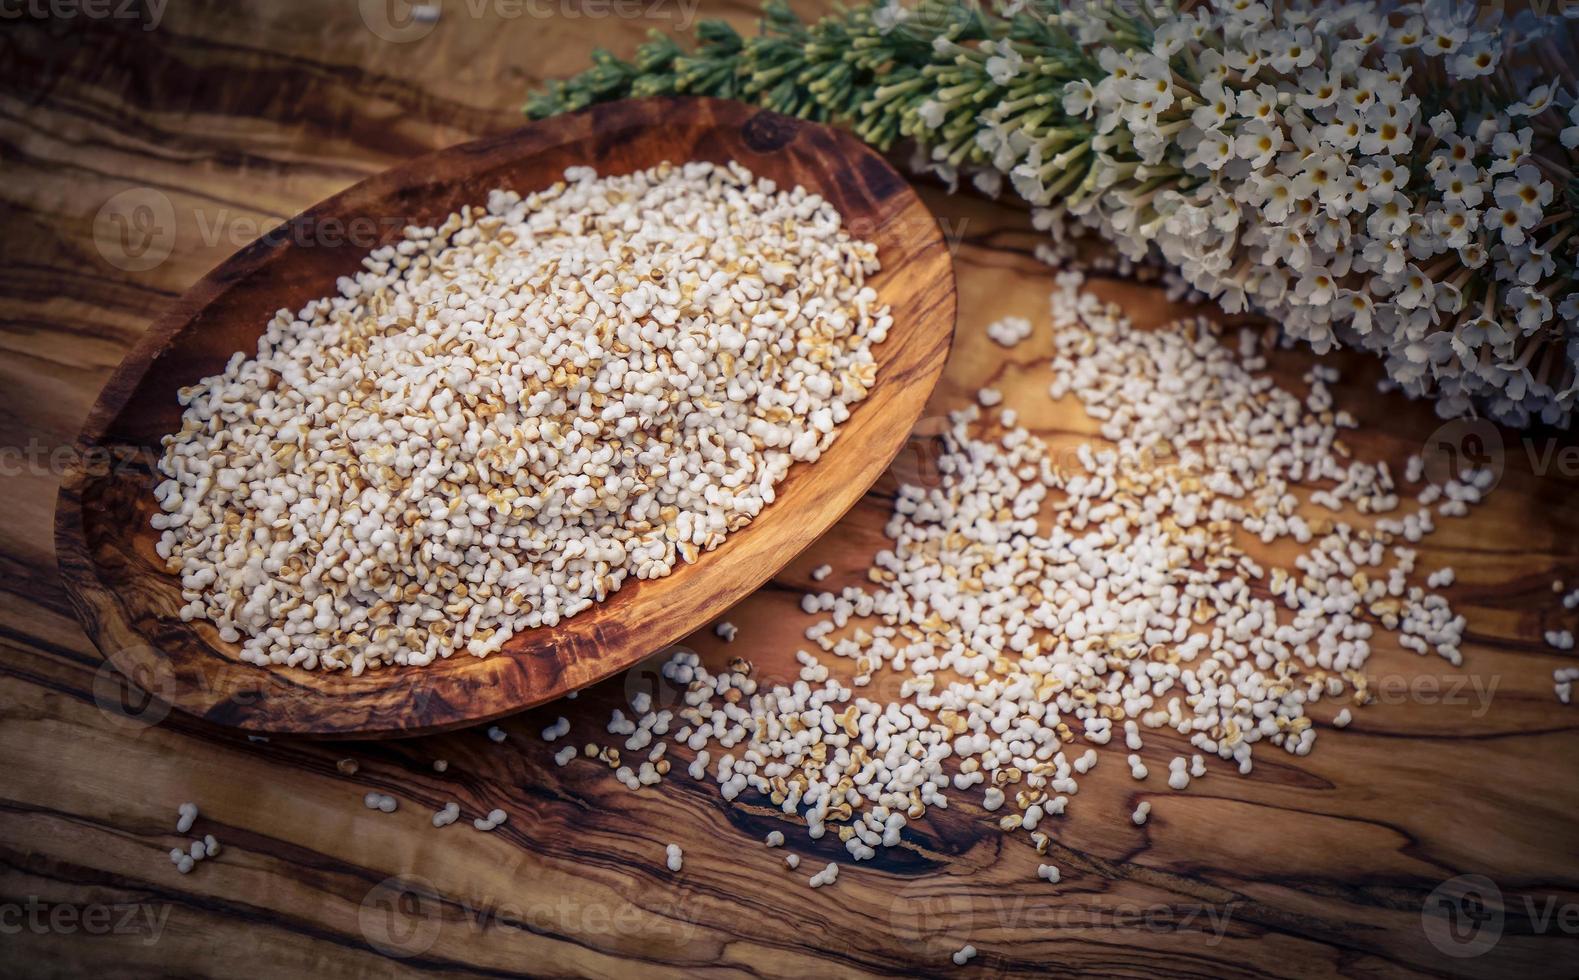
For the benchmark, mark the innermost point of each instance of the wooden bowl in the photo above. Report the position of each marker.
(127, 601)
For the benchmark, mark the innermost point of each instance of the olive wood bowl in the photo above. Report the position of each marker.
(128, 602)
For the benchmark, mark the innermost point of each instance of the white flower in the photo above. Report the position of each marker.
(1370, 27)
(1509, 150)
(1461, 185)
(1390, 216)
(1455, 223)
(1385, 255)
(1316, 287)
(1530, 307)
(1455, 151)
(1356, 305)
(1288, 245)
(1383, 178)
(1257, 142)
(1537, 102)
(1418, 291)
(1344, 133)
(1445, 41)
(1153, 85)
(1219, 105)
(1507, 222)
(1215, 149)
(1537, 265)
(1006, 64)
(1407, 35)
(1260, 104)
(1526, 192)
(1390, 137)
(1289, 50)
(1279, 198)
(1079, 98)
(888, 16)
(1212, 67)
(1246, 61)
(1473, 60)
(1317, 89)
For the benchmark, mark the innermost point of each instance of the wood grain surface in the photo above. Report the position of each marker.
(130, 604)
(1346, 862)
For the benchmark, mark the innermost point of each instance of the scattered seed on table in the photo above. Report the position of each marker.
(497, 734)
(557, 729)
(1011, 515)
(1009, 331)
(674, 857)
(964, 955)
(186, 815)
(446, 814)
(1563, 679)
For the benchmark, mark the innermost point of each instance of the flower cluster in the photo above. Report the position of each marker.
(1394, 177)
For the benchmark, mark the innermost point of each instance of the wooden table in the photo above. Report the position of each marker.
(1313, 866)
